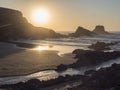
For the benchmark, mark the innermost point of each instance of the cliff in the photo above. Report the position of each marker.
(14, 26)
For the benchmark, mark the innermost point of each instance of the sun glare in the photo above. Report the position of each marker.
(40, 16)
(40, 48)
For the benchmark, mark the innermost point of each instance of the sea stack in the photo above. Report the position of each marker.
(80, 31)
(100, 30)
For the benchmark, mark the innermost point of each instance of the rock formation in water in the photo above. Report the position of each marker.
(82, 32)
(100, 30)
(14, 26)
(92, 58)
(88, 58)
(101, 46)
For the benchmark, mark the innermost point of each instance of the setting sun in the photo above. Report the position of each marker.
(40, 16)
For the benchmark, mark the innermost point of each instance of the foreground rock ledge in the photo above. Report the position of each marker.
(86, 58)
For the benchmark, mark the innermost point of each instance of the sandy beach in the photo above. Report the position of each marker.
(17, 61)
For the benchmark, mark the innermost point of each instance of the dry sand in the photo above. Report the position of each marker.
(16, 61)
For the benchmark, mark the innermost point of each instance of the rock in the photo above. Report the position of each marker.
(14, 26)
(88, 58)
(100, 46)
(82, 32)
(100, 30)
(79, 52)
(89, 72)
(103, 79)
(61, 67)
(32, 84)
(92, 58)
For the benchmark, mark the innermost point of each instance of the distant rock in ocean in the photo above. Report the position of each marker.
(14, 26)
(100, 30)
(82, 32)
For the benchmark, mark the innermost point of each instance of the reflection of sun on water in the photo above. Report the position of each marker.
(45, 47)
(41, 48)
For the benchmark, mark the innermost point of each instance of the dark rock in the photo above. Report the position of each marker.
(82, 32)
(61, 67)
(32, 84)
(88, 58)
(100, 30)
(92, 58)
(103, 79)
(100, 46)
(79, 52)
(89, 72)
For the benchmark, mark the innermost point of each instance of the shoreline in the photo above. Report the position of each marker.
(29, 61)
(26, 74)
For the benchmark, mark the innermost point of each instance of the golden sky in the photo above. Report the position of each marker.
(67, 15)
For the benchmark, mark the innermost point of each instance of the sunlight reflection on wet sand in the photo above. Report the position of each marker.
(44, 47)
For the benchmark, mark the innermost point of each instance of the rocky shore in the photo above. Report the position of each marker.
(17, 61)
(87, 58)
(103, 79)
(101, 46)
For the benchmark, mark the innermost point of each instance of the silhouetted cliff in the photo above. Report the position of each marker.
(82, 32)
(14, 26)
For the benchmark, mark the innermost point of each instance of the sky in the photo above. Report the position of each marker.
(67, 15)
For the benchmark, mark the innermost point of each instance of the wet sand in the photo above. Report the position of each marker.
(17, 61)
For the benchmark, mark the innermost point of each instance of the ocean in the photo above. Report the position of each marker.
(64, 46)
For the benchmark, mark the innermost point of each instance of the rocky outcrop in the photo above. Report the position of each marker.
(100, 30)
(61, 67)
(103, 79)
(92, 58)
(88, 58)
(14, 26)
(82, 32)
(101, 46)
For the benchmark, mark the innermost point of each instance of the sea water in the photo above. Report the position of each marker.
(65, 45)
